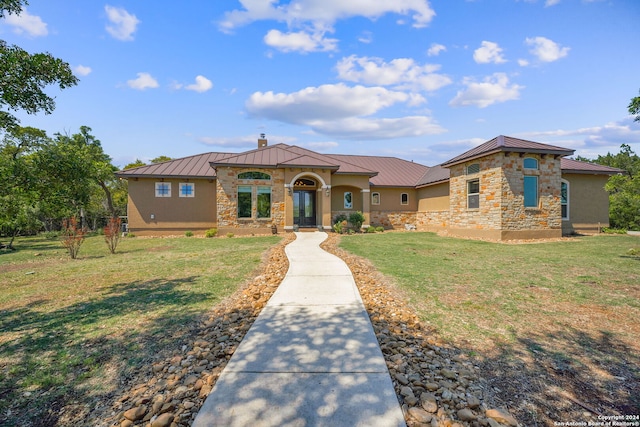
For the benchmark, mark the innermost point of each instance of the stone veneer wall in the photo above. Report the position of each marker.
(227, 198)
(501, 208)
(433, 220)
(392, 219)
(548, 213)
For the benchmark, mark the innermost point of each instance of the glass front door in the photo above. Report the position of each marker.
(304, 208)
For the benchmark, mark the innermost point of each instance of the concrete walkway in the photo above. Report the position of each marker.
(311, 357)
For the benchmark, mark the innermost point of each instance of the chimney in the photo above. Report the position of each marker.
(262, 141)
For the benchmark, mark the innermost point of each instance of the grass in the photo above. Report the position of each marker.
(72, 329)
(561, 312)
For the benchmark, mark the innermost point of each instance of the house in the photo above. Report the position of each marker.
(506, 188)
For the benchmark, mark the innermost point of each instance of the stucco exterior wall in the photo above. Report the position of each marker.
(433, 198)
(588, 203)
(171, 215)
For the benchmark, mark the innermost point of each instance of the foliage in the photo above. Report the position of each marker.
(137, 163)
(73, 236)
(609, 230)
(624, 190)
(112, 233)
(229, 235)
(356, 219)
(339, 218)
(380, 229)
(340, 227)
(188, 233)
(24, 76)
(161, 159)
(634, 108)
(212, 232)
(370, 230)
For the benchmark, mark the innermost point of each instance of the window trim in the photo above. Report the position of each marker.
(263, 176)
(567, 203)
(469, 194)
(402, 196)
(261, 190)
(373, 198)
(190, 194)
(524, 192)
(162, 184)
(348, 203)
(470, 166)
(244, 187)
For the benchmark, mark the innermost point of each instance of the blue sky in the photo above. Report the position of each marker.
(420, 80)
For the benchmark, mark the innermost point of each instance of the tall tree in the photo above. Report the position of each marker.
(24, 76)
(20, 202)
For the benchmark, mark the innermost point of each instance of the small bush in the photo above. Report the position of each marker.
(112, 233)
(609, 230)
(340, 227)
(72, 236)
(188, 233)
(212, 232)
(380, 229)
(357, 219)
(131, 235)
(339, 218)
(370, 230)
(229, 235)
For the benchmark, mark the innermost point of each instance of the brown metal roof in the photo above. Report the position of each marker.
(392, 172)
(434, 175)
(508, 144)
(276, 156)
(575, 166)
(197, 166)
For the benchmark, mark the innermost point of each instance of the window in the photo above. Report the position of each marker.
(348, 200)
(254, 175)
(473, 194)
(187, 189)
(264, 202)
(244, 201)
(474, 168)
(530, 191)
(530, 163)
(404, 199)
(375, 198)
(564, 199)
(163, 189)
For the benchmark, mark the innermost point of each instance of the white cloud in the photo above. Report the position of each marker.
(366, 37)
(546, 50)
(489, 52)
(300, 41)
(549, 3)
(82, 70)
(201, 85)
(493, 89)
(339, 110)
(523, 62)
(32, 25)
(321, 146)
(243, 142)
(435, 49)
(142, 82)
(323, 13)
(400, 72)
(124, 23)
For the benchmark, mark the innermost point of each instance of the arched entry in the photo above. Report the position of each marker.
(304, 202)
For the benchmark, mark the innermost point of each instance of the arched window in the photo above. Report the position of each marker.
(474, 168)
(254, 175)
(530, 163)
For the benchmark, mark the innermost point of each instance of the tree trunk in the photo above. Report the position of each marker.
(107, 193)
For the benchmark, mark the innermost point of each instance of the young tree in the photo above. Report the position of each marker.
(24, 76)
(634, 108)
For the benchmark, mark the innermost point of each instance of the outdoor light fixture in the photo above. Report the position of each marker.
(153, 216)
(327, 191)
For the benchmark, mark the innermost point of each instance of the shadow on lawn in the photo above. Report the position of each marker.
(48, 356)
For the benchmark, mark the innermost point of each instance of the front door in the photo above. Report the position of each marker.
(304, 208)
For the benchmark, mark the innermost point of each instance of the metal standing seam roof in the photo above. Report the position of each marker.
(508, 144)
(392, 172)
(197, 166)
(576, 166)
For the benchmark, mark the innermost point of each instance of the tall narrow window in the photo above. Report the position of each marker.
(564, 199)
(375, 198)
(348, 200)
(473, 194)
(404, 199)
(530, 191)
(187, 189)
(244, 201)
(264, 202)
(163, 189)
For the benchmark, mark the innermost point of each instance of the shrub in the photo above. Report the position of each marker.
(229, 235)
(112, 233)
(72, 236)
(370, 230)
(188, 233)
(340, 227)
(380, 229)
(609, 230)
(212, 232)
(357, 219)
(339, 218)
